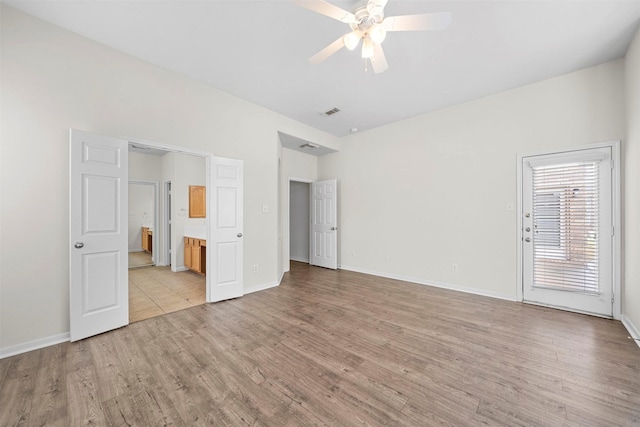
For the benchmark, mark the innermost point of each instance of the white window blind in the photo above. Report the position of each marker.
(565, 226)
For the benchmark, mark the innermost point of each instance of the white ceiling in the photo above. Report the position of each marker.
(258, 50)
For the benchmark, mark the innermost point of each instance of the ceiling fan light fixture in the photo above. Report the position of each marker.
(377, 33)
(351, 40)
(367, 22)
(367, 48)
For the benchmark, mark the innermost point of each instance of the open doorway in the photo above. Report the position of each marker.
(313, 222)
(143, 208)
(299, 221)
(98, 190)
(163, 284)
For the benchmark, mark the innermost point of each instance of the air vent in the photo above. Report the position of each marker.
(309, 145)
(331, 112)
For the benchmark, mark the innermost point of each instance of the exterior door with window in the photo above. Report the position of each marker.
(567, 231)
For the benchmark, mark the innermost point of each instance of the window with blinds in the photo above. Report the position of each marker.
(565, 215)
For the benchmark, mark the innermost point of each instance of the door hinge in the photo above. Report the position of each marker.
(613, 230)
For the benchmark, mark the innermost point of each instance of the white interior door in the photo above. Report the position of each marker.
(567, 231)
(98, 255)
(226, 251)
(323, 239)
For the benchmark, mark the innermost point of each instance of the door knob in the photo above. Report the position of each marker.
(527, 239)
(79, 245)
(239, 234)
(334, 228)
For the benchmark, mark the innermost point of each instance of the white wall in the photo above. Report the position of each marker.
(631, 151)
(299, 221)
(53, 80)
(433, 190)
(186, 170)
(142, 167)
(295, 165)
(145, 167)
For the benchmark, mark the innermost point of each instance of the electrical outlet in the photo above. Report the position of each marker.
(454, 267)
(255, 268)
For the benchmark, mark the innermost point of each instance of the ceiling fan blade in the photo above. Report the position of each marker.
(327, 51)
(327, 9)
(378, 61)
(425, 22)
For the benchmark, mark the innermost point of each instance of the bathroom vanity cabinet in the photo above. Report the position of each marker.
(195, 254)
(147, 239)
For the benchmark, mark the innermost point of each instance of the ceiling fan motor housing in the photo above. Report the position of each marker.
(368, 15)
(367, 26)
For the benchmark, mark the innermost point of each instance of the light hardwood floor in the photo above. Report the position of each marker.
(336, 348)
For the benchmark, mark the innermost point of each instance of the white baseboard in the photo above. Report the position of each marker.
(631, 328)
(179, 269)
(34, 345)
(305, 260)
(262, 287)
(434, 283)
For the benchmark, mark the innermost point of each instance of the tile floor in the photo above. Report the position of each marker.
(139, 259)
(157, 290)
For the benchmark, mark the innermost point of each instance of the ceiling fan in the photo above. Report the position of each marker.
(369, 24)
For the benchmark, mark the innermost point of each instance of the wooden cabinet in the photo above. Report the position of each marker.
(187, 253)
(147, 239)
(195, 255)
(197, 201)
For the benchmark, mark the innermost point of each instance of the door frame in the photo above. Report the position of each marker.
(616, 217)
(166, 227)
(156, 205)
(208, 157)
